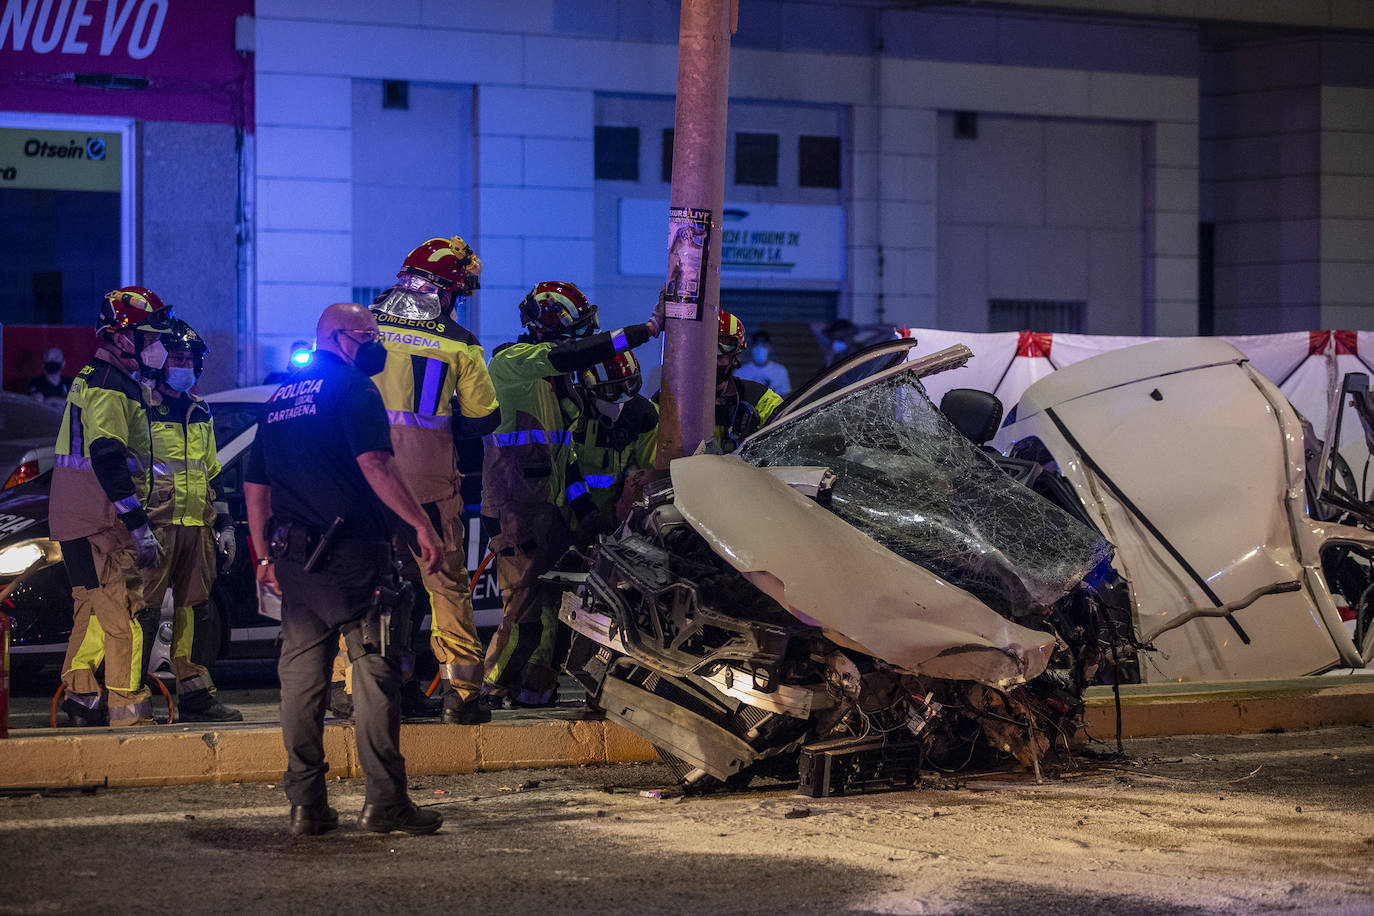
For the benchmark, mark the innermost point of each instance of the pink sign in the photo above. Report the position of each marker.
(159, 60)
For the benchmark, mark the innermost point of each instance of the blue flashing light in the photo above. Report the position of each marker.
(302, 357)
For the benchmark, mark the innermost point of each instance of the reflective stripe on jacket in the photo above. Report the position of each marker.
(185, 461)
(431, 366)
(605, 451)
(524, 459)
(104, 404)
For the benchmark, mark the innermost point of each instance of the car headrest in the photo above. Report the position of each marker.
(974, 413)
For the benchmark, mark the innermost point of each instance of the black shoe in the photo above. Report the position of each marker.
(458, 711)
(82, 716)
(340, 703)
(206, 709)
(312, 820)
(405, 817)
(414, 703)
(492, 701)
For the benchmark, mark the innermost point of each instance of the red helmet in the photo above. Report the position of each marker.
(731, 331)
(449, 264)
(133, 308)
(617, 379)
(557, 309)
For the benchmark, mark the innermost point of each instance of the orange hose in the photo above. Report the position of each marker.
(472, 586)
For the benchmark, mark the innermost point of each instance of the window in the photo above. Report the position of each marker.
(668, 138)
(818, 162)
(396, 94)
(1035, 315)
(756, 159)
(617, 153)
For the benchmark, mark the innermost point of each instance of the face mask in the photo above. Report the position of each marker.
(760, 354)
(153, 355)
(180, 379)
(610, 409)
(370, 358)
(52, 368)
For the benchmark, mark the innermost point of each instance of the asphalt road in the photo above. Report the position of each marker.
(1253, 824)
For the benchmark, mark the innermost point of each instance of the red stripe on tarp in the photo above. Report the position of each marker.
(1316, 342)
(1347, 343)
(1033, 344)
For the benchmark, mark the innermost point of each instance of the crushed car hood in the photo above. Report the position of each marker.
(828, 574)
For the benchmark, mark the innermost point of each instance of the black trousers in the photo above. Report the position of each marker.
(314, 607)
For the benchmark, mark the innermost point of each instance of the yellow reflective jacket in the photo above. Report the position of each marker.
(605, 451)
(101, 458)
(525, 460)
(185, 461)
(432, 365)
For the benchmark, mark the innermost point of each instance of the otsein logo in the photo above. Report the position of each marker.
(93, 149)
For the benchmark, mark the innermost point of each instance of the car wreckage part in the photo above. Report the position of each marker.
(744, 628)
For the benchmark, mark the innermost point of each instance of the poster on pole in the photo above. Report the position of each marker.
(689, 255)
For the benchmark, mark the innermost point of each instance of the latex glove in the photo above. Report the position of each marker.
(227, 545)
(147, 550)
(659, 318)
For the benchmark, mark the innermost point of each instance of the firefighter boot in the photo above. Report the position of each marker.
(84, 710)
(203, 706)
(458, 711)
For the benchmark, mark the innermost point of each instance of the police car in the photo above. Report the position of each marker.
(245, 624)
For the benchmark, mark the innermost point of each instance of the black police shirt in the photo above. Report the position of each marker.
(312, 431)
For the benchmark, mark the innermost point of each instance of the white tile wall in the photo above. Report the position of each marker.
(304, 152)
(523, 16)
(1347, 239)
(305, 257)
(285, 204)
(1146, 98)
(1347, 196)
(1347, 108)
(1035, 263)
(535, 212)
(291, 309)
(562, 163)
(607, 66)
(518, 111)
(286, 99)
(387, 52)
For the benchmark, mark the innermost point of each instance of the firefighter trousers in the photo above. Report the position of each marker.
(520, 659)
(107, 597)
(188, 569)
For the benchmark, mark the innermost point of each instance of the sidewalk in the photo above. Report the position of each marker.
(251, 751)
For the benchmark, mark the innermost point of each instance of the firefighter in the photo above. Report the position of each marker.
(181, 509)
(742, 405)
(524, 476)
(615, 436)
(436, 390)
(97, 510)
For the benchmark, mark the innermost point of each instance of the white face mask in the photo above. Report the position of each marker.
(153, 355)
(610, 409)
(180, 379)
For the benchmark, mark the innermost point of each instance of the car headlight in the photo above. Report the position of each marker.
(16, 558)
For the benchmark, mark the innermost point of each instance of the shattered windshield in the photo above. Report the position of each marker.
(909, 480)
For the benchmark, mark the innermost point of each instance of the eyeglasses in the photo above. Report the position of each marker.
(364, 334)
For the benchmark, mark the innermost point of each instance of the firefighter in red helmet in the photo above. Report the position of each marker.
(524, 475)
(436, 390)
(742, 405)
(101, 480)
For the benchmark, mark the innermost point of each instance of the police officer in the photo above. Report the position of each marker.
(99, 487)
(182, 512)
(742, 405)
(524, 476)
(436, 390)
(322, 472)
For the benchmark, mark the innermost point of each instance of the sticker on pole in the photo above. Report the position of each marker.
(689, 251)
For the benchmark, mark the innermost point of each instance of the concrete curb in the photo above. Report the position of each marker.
(179, 754)
(1297, 704)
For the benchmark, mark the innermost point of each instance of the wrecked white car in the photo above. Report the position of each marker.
(858, 592)
(1245, 543)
